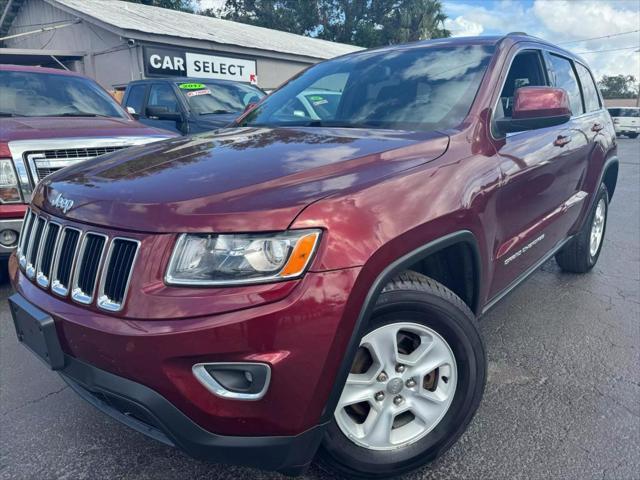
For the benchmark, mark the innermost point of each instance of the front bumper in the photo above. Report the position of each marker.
(139, 372)
(623, 130)
(148, 412)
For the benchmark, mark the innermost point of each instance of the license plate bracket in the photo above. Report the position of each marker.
(36, 330)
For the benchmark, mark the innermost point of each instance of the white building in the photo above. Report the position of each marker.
(115, 42)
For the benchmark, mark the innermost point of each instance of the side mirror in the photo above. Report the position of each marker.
(163, 113)
(132, 111)
(536, 107)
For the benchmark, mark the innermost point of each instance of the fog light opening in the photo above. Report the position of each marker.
(238, 381)
(8, 238)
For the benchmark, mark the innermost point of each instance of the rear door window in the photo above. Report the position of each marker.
(135, 98)
(589, 89)
(565, 77)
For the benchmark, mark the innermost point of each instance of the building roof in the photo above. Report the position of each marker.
(135, 17)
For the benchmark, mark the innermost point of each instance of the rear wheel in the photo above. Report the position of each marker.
(414, 385)
(632, 135)
(582, 252)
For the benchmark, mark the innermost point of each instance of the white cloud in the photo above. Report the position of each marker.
(215, 4)
(561, 21)
(462, 27)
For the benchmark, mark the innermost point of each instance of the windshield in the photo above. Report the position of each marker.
(207, 98)
(420, 88)
(624, 112)
(32, 94)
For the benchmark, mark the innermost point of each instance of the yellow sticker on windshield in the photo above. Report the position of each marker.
(192, 86)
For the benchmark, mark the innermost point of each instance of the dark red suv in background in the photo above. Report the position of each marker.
(297, 286)
(50, 119)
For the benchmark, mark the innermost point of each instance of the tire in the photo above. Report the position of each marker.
(411, 305)
(577, 256)
(632, 135)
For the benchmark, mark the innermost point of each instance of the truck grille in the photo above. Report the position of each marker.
(45, 162)
(87, 265)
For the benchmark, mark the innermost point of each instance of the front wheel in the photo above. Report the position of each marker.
(414, 386)
(632, 135)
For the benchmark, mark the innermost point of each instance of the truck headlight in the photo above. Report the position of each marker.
(232, 259)
(9, 188)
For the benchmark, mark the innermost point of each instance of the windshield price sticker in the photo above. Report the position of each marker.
(192, 86)
(195, 93)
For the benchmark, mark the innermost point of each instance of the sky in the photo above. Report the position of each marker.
(568, 23)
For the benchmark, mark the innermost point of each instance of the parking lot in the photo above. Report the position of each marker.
(562, 400)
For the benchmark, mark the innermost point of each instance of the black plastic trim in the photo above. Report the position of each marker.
(401, 264)
(613, 160)
(36, 330)
(166, 423)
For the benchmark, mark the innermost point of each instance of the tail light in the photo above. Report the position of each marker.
(9, 187)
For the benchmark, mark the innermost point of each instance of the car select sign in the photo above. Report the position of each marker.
(169, 62)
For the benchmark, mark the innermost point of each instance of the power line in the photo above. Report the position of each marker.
(608, 50)
(39, 24)
(598, 38)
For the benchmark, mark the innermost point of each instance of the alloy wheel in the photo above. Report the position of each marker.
(401, 385)
(597, 227)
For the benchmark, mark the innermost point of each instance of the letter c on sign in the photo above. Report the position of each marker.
(154, 60)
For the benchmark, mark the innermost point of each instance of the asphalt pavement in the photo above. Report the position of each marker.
(562, 400)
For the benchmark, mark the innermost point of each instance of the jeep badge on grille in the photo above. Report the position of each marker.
(64, 204)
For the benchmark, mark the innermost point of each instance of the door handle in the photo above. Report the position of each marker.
(597, 127)
(561, 141)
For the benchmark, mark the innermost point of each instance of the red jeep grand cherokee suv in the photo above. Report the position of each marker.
(295, 285)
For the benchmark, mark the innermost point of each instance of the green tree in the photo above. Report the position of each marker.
(618, 86)
(181, 5)
(367, 23)
(413, 20)
(295, 16)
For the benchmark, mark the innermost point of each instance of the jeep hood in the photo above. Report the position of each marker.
(232, 180)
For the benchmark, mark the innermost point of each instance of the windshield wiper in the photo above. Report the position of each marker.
(325, 123)
(78, 114)
(217, 112)
(9, 114)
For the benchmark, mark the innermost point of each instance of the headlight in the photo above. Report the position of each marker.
(9, 188)
(208, 259)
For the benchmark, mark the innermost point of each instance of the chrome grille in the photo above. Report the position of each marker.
(45, 162)
(34, 246)
(81, 153)
(86, 275)
(63, 262)
(84, 263)
(114, 285)
(25, 234)
(45, 172)
(45, 259)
